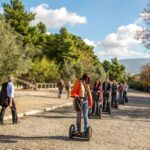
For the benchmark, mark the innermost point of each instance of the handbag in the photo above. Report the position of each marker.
(78, 104)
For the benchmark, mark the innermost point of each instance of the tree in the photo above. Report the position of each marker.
(13, 58)
(114, 70)
(44, 70)
(60, 47)
(20, 20)
(144, 34)
(145, 72)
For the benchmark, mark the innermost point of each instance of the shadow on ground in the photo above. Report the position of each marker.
(15, 138)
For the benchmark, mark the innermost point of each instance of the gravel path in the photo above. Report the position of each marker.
(127, 129)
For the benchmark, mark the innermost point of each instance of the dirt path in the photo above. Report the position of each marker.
(127, 129)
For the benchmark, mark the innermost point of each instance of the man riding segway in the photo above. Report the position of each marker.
(106, 96)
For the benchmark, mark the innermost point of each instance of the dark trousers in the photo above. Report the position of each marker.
(13, 110)
(95, 103)
(125, 96)
(105, 101)
(59, 92)
(114, 98)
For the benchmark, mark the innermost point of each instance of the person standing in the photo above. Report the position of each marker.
(60, 86)
(7, 99)
(106, 92)
(114, 93)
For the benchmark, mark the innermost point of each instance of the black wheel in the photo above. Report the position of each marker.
(89, 133)
(109, 107)
(100, 112)
(71, 131)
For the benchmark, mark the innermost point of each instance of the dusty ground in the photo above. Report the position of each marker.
(127, 129)
(32, 100)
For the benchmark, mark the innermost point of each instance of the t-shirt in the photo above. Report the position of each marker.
(10, 89)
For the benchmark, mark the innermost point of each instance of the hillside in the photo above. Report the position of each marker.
(134, 65)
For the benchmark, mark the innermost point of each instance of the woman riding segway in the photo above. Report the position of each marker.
(82, 101)
(97, 94)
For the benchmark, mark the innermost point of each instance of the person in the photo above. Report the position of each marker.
(68, 87)
(125, 90)
(97, 95)
(120, 90)
(83, 100)
(106, 92)
(7, 99)
(60, 86)
(114, 93)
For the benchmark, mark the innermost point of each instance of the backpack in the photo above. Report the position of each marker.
(3, 94)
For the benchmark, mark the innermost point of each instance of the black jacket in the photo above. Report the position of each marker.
(3, 94)
(107, 88)
(114, 88)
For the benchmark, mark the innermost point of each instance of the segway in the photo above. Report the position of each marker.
(97, 104)
(73, 133)
(107, 103)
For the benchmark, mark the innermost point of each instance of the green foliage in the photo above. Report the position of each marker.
(44, 70)
(54, 55)
(20, 20)
(114, 70)
(68, 71)
(139, 85)
(60, 47)
(13, 56)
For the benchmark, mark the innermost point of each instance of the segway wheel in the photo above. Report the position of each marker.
(109, 108)
(71, 131)
(89, 133)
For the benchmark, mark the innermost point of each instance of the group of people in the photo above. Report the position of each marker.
(61, 85)
(106, 91)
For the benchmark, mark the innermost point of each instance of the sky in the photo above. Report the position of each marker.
(108, 25)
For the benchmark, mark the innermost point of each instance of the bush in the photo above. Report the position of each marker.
(139, 85)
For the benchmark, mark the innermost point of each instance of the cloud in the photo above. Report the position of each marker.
(89, 42)
(1, 10)
(121, 44)
(55, 18)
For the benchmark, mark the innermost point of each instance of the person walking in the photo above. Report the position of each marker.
(68, 87)
(60, 86)
(7, 99)
(106, 93)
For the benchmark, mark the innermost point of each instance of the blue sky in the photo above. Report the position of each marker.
(101, 23)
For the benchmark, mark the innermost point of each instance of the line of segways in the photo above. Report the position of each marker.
(104, 105)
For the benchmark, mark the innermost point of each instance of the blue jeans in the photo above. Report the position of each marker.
(85, 109)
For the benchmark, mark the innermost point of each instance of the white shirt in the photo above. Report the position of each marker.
(10, 89)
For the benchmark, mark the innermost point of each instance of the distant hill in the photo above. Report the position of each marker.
(134, 65)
